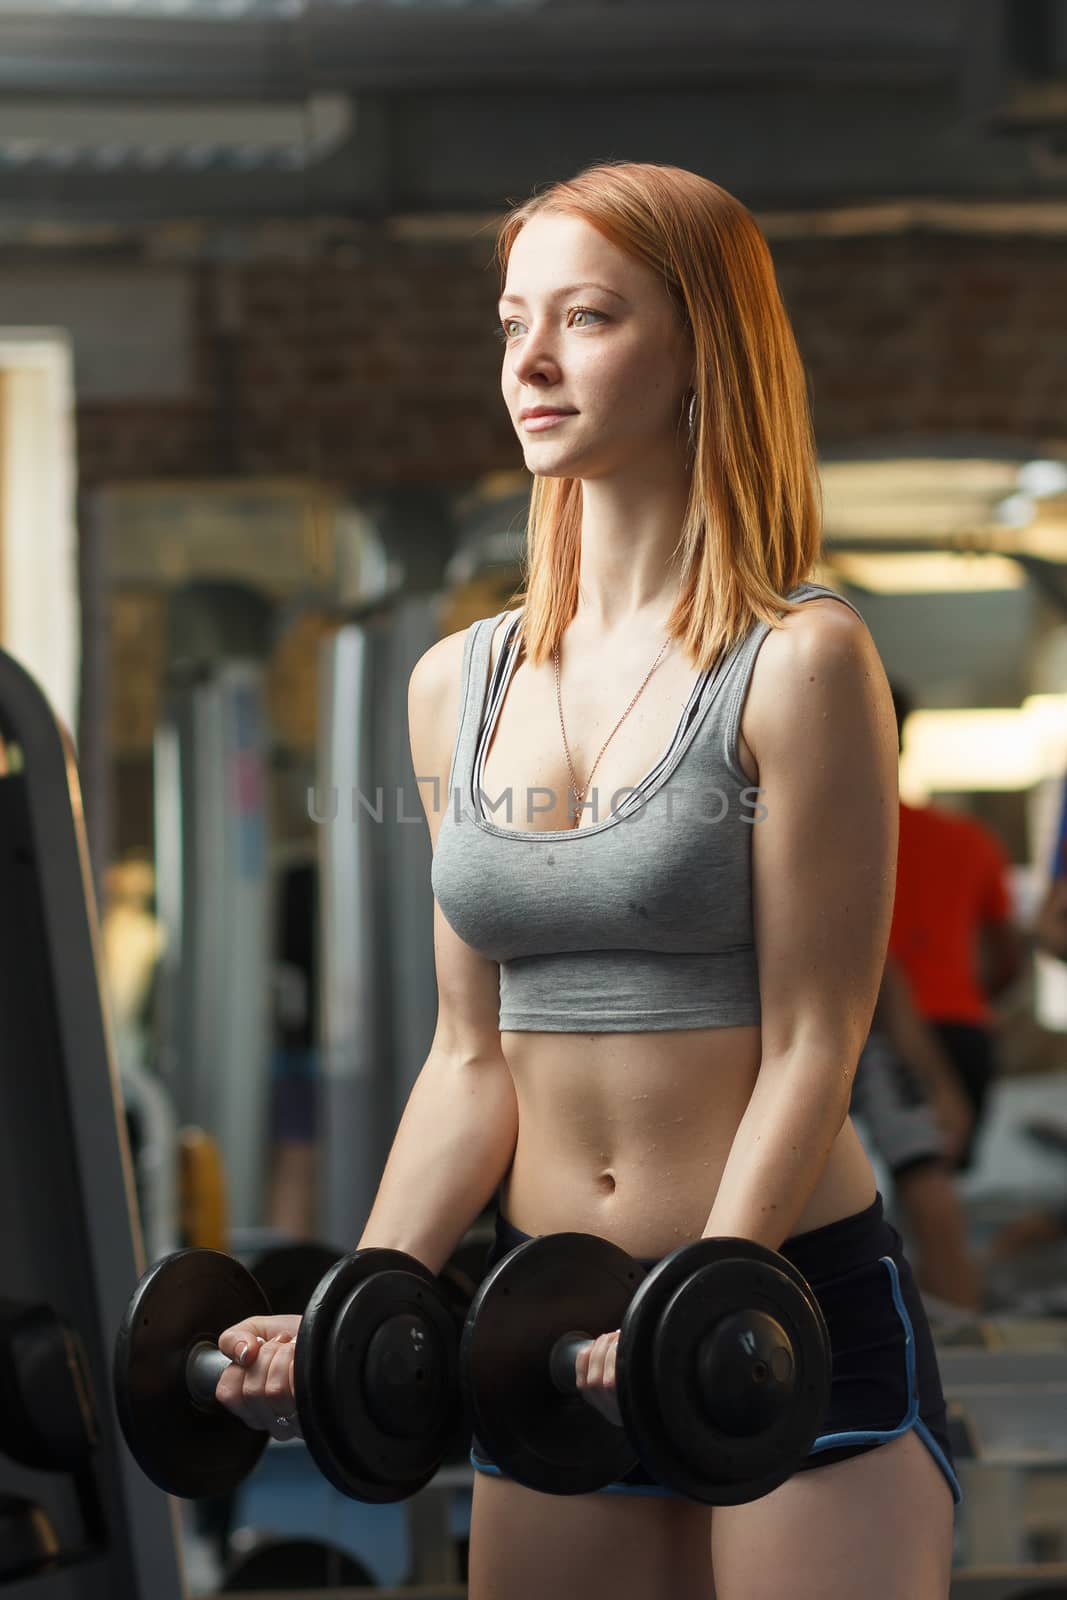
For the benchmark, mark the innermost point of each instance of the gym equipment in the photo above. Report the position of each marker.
(376, 984)
(295, 1564)
(202, 1206)
(289, 1274)
(463, 1272)
(70, 1245)
(1005, 1381)
(544, 1436)
(28, 1542)
(376, 1375)
(168, 1364)
(210, 792)
(722, 1368)
(377, 1368)
(48, 1417)
(153, 1138)
(1015, 1582)
(725, 1370)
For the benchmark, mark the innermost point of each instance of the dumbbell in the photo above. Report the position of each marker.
(375, 1373)
(290, 1273)
(722, 1367)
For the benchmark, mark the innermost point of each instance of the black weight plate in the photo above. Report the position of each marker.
(377, 1376)
(458, 1279)
(543, 1289)
(289, 1274)
(461, 1275)
(185, 1299)
(296, 1564)
(723, 1425)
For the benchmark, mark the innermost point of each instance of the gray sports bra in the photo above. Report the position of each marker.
(641, 920)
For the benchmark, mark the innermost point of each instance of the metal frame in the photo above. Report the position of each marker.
(72, 1236)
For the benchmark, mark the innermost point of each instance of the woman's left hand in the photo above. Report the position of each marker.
(595, 1370)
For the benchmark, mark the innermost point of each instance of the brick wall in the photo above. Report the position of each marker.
(384, 368)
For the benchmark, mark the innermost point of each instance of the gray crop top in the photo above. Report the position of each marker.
(641, 920)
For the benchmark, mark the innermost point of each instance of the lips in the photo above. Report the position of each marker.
(545, 411)
(542, 417)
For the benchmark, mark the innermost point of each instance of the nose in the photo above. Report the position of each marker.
(535, 359)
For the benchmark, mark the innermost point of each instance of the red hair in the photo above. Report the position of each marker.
(752, 528)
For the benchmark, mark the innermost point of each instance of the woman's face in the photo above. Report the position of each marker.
(590, 330)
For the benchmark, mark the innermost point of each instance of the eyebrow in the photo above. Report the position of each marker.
(571, 288)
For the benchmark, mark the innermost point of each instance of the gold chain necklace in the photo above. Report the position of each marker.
(580, 794)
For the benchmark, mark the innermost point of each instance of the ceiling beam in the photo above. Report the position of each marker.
(384, 47)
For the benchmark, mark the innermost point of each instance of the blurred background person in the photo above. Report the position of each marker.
(1044, 1225)
(953, 940)
(907, 1096)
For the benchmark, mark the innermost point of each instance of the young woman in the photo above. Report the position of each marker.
(654, 987)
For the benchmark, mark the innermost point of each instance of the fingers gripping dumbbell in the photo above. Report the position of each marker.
(722, 1373)
(375, 1374)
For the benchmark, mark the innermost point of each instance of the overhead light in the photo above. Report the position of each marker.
(926, 572)
(912, 500)
(976, 750)
(1039, 478)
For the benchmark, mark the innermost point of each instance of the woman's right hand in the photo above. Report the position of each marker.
(258, 1387)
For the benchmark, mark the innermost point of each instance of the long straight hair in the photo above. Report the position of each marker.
(752, 526)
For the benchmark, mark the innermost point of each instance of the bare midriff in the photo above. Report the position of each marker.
(626, 1135)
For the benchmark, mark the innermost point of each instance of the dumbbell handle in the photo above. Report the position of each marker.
(203, 1369)
(564, 1358)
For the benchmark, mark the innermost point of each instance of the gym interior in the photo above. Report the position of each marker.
(253, 465)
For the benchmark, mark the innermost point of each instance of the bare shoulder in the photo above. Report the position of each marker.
(435, 682)
(823, 859)
(436, 668)
(821, 663)
(821, 633)
(821, 617)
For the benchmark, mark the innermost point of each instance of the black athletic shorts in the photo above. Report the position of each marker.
(884, 1379)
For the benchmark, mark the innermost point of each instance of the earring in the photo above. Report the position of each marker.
(692, 421)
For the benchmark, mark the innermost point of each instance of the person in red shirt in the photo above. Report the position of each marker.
(952, 933)
(913, 1114)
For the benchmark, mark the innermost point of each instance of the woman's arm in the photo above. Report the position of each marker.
(822, 728)
(451, 1151)
(457, 1135)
